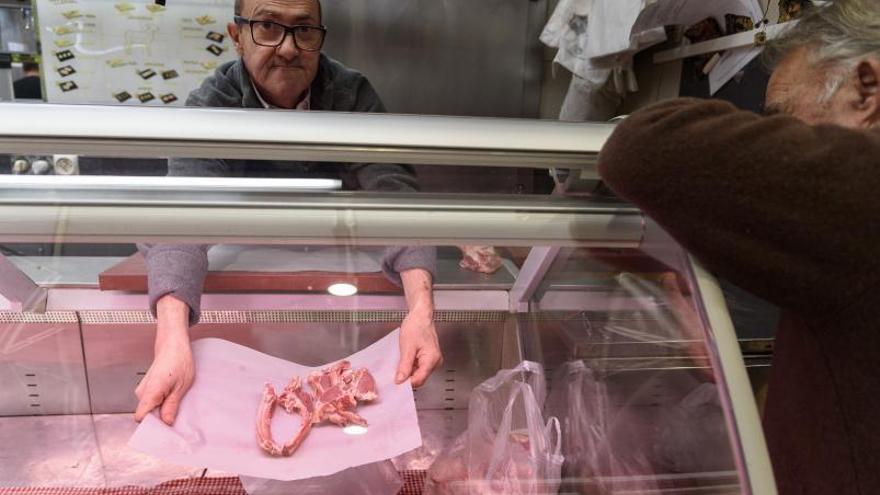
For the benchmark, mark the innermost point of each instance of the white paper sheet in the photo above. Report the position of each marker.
(216, 424)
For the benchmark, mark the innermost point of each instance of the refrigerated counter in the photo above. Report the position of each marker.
(639, 363)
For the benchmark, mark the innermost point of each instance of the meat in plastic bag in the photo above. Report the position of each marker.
(507, 448)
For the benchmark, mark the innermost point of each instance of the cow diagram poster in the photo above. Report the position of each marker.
(131, 53)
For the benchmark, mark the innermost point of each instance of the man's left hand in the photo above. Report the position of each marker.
(419, 348)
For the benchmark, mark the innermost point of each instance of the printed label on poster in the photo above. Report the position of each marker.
(131, 53)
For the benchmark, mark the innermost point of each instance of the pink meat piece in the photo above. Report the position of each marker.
(264, 421)
(513, 474)
(365, 386)
(293, 399)
(335, 394)
(480, 259)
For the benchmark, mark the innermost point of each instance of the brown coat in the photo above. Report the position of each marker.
(790, 212)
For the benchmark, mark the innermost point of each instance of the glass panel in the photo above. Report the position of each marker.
(621, 358)
(574, 360)
(632, 375)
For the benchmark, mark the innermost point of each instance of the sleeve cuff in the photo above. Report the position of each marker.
(178, 270)
(402, 258)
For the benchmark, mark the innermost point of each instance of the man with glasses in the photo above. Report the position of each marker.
(280, 66)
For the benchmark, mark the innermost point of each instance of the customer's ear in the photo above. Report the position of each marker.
(235, 34)
(868, 87)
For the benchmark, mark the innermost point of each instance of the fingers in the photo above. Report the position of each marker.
(420, 376)
(170, 407)
(404, 369)
(148, 402)
(427, 363)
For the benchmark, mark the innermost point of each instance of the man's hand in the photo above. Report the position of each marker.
(172, 372)
(419, 347)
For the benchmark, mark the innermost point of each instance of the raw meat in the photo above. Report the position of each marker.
(513, 472)
(264, 420)
(338, 390)
(295, 399)
(481, 259)
(292, 399)
(335, 394)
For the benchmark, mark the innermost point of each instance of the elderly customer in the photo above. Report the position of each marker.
(280, 66)
(787, 206)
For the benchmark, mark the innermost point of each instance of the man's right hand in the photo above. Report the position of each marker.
(172, 372)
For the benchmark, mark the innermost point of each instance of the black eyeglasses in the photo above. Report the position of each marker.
(268, 33)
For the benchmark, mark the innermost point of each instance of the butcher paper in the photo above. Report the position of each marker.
(216, 424)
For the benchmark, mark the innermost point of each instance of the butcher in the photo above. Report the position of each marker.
(280, 66)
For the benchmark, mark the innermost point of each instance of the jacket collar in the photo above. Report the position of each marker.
(320, 93)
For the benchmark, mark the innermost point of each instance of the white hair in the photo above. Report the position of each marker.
(839, 34)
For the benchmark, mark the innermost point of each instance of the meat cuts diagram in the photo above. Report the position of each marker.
(131, 53)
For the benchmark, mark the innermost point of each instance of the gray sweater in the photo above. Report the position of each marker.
(180, 269)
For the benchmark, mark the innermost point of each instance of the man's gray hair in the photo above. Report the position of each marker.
(838, 34)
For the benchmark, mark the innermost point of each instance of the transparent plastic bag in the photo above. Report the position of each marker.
(507, 449)
(600, 455)
(574, 400)
(449, 473)
(379, 478)
(691, 428)
(493, 395)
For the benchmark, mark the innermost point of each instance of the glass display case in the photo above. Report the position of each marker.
(597, 357)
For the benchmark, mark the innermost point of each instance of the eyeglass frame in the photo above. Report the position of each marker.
(287, 30)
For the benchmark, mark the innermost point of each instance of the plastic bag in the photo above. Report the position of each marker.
(575, 401)
(691, 429)
(507, 449)
(600, 455)
(379, 478)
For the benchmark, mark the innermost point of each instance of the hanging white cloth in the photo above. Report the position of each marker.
(585, 101)
(595, 45)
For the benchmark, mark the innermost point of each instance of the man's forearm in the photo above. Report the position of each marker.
(172, 322)
(419, 346)
(418, 288)
(172, 371)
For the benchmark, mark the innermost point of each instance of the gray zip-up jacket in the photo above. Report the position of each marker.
(180, 269)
